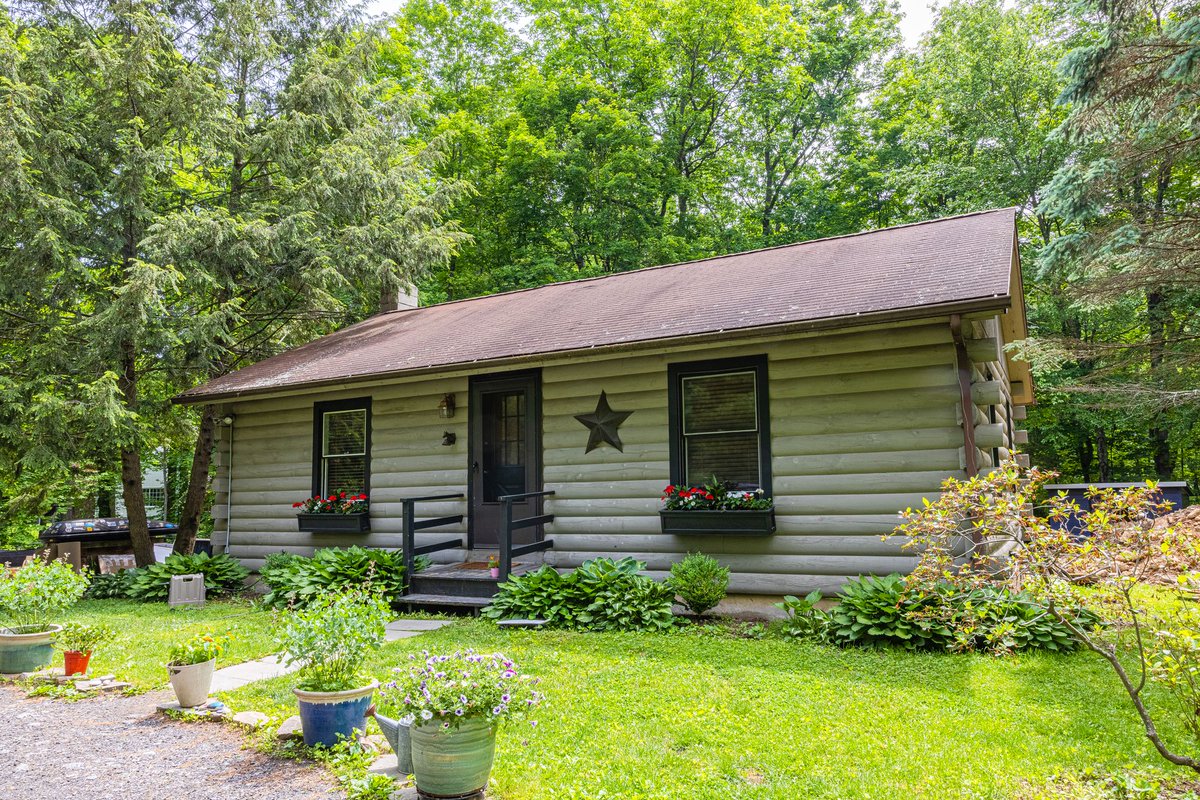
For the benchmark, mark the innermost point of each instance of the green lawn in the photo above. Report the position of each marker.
(146, 631)
(670, 716)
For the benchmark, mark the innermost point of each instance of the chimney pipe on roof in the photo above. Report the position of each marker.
(394, 298)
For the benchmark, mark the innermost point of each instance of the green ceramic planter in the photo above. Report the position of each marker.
(453, 763)
(26, 652)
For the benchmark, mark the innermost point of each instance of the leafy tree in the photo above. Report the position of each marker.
(196, 187)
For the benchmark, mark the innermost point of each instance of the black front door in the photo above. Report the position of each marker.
(505, 452)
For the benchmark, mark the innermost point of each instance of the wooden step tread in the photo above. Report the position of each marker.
(445, 600)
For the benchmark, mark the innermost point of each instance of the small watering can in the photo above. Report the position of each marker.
(396, 732)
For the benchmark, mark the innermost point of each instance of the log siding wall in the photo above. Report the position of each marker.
(864, 423)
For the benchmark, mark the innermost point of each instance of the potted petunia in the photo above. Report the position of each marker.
(78, 642)
(330, 639)
(190, 667)
(716, 508)
(453, 706)
(30, 597)
(341, 512)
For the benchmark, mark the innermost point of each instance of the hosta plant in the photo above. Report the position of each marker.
(222, 575)
(446, 689)
(296, 580)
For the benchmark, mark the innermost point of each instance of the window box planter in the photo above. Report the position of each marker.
(335, 523)
(751, 522)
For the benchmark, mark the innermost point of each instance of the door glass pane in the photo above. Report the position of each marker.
(503, 444)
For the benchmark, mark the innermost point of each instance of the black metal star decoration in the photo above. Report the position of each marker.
(603, 424)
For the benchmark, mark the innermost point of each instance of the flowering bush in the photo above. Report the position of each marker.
(340, 503)
(713, 496)
(198, 649)
(448, 689)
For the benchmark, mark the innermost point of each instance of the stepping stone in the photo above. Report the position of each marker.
(396, 635)
(417, 624)
(521, 623)
(240, 674)
(384, 765)
(290, 729)
(204, 711)
(251, 719)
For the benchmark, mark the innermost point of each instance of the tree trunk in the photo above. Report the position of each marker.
(1086, 453)
(131, 467)
(197, 487)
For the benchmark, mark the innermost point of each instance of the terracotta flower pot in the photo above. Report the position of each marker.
(192, 682)
(75, 662)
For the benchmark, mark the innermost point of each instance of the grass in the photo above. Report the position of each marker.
(146, 631)
(647, 716)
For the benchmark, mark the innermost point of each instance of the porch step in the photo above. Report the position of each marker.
(464, 602)
(457, 580)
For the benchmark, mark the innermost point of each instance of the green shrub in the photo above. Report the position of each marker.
(222, 575)
(884, 611)
(602, 595)
(804, 619)
(113, 586)
(699, 581)
(331, 638)
(298, 580)
(31, 596)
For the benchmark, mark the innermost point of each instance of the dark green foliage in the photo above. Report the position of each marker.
(298, 579)
(222, 575)
(882, 611)
(601, 595)
(111, 587)
(804, 619)
(699, 581)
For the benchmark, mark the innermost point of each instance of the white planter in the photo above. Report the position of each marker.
(192, 682)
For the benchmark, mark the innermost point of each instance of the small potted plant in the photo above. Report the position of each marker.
(716, 508)
(337, 513)
(30, 597)
(78, 642)
(494, 566)
(191, 665)
(454, 705)
(330, 638)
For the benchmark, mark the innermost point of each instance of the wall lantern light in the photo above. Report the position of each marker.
(446, 407)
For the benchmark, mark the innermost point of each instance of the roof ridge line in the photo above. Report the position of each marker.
(688, 263)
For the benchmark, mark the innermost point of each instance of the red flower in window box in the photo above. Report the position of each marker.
(334, 504)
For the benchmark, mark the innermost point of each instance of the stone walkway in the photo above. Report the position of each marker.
(261, 669)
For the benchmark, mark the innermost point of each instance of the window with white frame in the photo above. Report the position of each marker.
(342, 447)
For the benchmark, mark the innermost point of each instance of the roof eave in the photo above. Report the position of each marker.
(976, 305)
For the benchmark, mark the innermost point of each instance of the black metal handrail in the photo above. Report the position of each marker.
(507, 551)
(410, 526)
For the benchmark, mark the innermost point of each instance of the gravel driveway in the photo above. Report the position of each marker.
(119, 749)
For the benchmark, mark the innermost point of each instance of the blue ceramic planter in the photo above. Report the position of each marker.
(326, 717)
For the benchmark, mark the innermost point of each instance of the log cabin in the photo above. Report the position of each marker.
(846, 377)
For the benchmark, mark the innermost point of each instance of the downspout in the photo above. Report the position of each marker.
(229, 419)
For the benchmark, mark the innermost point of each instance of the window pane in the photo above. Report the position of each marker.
(345, 432)
(731, 457)
(713, 403)
(345, 474)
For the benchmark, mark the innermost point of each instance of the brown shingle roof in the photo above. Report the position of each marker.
(959, 261)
